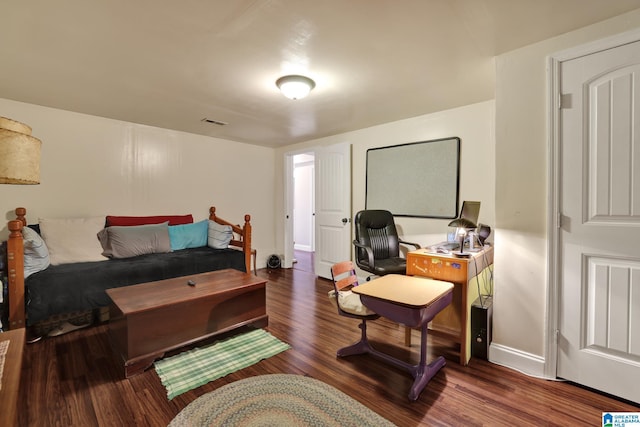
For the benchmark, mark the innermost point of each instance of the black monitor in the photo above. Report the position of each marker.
(470, 211)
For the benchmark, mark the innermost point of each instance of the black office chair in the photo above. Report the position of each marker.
(377, 244)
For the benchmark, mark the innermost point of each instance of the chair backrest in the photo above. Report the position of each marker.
(348, 303)
(343, 275)
(377, 229)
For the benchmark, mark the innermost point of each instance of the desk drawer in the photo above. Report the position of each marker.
(450, 270)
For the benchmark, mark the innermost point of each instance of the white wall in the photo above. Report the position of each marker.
(473, 124)
(522, 194)
(92, 165)
(96, 166)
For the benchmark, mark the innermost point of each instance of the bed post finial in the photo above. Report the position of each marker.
(15, 226)
(21, 214)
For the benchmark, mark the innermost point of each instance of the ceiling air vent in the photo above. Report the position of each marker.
(215, 122)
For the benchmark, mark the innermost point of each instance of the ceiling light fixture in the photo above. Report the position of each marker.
(295, 86)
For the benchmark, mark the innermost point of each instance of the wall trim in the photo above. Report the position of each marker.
(521, 361)
(594, 46)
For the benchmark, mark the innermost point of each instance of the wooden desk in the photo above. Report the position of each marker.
(455, 321)
(410, 301)
(11, 376)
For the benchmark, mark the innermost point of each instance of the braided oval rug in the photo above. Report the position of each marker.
(277, 400)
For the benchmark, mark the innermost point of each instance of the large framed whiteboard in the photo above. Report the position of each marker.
(418, 179)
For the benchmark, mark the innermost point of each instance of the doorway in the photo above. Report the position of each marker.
(331, 241)
(303, 211)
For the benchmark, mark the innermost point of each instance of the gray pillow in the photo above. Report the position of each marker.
(130, 241)
(219, 235)
(36, 253)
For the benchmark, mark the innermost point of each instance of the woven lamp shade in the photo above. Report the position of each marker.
(19, 153)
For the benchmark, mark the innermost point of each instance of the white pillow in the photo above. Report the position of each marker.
(350, 303)
(36, 254)
(219, 235)
(72, 239)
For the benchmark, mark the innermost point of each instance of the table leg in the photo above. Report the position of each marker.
(422, 373)
(361, 347)
(407, 336)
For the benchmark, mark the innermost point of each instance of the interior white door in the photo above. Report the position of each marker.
(599, 307)
(333, 207)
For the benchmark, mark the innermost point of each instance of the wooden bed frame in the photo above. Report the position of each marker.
(15, 259)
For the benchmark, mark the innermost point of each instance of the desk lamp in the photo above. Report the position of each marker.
(463, 226)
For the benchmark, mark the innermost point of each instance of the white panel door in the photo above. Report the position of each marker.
(599, 307)
(333, 207)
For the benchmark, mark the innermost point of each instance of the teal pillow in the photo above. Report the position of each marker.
(188, 235)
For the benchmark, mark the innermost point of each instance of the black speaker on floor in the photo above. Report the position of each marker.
(481, 320)
(273, 262)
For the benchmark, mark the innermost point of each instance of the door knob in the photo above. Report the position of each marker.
(345, 220)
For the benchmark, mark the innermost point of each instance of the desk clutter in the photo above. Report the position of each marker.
(452, 248)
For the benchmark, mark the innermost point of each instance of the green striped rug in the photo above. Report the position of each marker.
(199, 366)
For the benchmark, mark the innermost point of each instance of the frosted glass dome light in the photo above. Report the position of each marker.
(294, 86)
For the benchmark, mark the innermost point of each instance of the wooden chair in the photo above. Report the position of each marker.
(349, 305)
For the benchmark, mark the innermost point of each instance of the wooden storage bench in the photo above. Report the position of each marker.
(152, 318)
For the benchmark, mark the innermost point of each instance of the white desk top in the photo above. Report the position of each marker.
(411, 291)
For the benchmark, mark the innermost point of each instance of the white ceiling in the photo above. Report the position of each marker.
(173, 63)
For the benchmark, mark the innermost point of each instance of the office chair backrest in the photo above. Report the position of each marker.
(377, 229)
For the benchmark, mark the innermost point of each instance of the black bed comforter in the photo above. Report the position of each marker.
(81, 286)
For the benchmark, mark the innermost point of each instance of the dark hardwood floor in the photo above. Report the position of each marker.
(304, 260)
(73, 380)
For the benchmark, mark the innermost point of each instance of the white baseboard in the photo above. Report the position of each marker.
(527, 363)
(305, 248)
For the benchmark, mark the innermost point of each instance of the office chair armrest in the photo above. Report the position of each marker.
(417, 246)
(367, 249)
